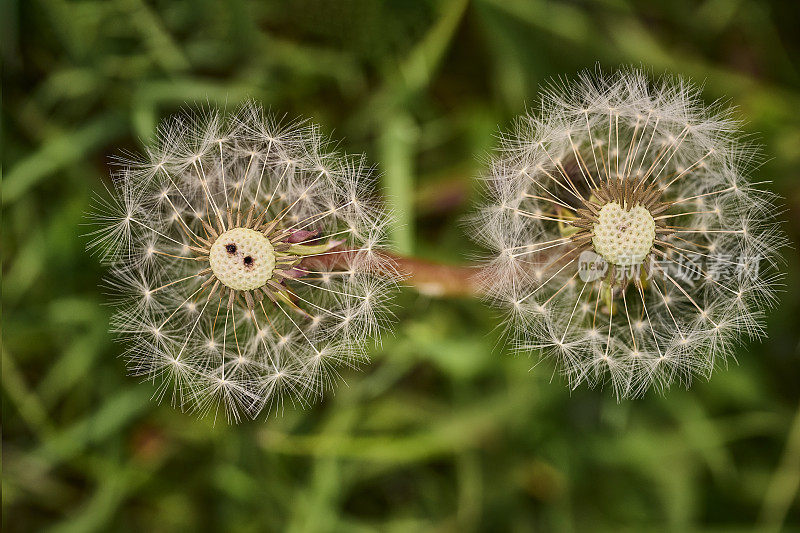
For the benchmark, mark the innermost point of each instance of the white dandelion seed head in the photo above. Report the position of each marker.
(628, 242)
(245, 260)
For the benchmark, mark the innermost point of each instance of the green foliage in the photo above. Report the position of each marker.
(445, 430)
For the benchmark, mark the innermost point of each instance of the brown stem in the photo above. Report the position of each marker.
(427, 277)
(447, 281)
(438, 279)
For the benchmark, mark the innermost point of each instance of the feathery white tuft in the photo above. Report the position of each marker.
(291, 295)
(661, 306)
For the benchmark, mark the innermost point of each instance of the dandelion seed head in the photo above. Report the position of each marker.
(628, 240)
(234, 259)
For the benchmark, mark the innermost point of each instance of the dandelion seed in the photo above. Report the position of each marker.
(629, 244)
(236, 246)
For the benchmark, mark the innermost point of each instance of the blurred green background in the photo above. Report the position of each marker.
(446, 430)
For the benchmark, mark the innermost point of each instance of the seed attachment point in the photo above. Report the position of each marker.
(242, 259)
